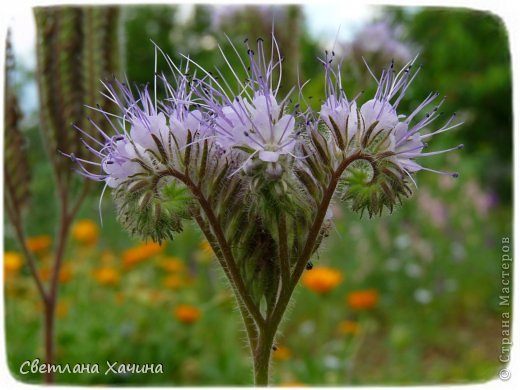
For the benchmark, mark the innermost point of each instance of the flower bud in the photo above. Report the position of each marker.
(152, 210)
(374, 185)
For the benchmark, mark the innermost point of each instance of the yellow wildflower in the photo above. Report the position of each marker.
(171, 264)
(348, 327)
(173, 281)
(281, 353)
(13, 261)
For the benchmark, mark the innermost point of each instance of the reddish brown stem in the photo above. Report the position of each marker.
(222, 242)
(29, 258)
(49, 297)
(48, 336)
(66, 218)
(285, 296)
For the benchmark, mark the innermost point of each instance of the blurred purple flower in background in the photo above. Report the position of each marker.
(381, 39)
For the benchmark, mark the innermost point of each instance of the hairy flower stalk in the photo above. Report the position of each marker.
(256, 174)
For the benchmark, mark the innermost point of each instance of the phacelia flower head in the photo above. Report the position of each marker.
(147, 137)
(337, 112)
(148, 140)
(156, 153)
(399, 136)
(253, 121)
(384, 143)
(382, 40)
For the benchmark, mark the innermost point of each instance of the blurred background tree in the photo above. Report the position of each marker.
(466, 56)
(142, 25)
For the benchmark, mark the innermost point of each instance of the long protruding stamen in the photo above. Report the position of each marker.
(452, 174)
(370, 70)
(243, 88)
(280, 60)
(155, 78)
(458, 147)
(430, 98)
(444, 128)
(407, 151)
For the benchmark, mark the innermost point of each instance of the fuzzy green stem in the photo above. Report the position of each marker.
(286, 293)
(262, 355)
(21, 237)
(227, 255)
(249, 323)
(284, 251)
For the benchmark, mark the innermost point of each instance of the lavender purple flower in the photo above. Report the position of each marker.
(253, 121)
(380, 40)
(380, 117)
(338, 113)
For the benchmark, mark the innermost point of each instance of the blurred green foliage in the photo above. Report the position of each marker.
(466, 57)
(435, 262)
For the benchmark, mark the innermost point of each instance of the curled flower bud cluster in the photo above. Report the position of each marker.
(162, 157)
(388, 142)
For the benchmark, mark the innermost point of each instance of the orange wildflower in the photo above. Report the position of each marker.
(173, 281)
(141, 253)
(85, 232)
(322, 279)
(187, 314)
(281, 353)
(39, 244)
(348, 327)
(65, 273)
(108, 276)
(206, 252)
(363, 299)
(13, 261)
(64, 276)
(172, 264)
(45, 273)
(62, 309)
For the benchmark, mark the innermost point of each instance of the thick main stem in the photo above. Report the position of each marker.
(48, 336)
(50, 303)
(262, 355)
(249, 322)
